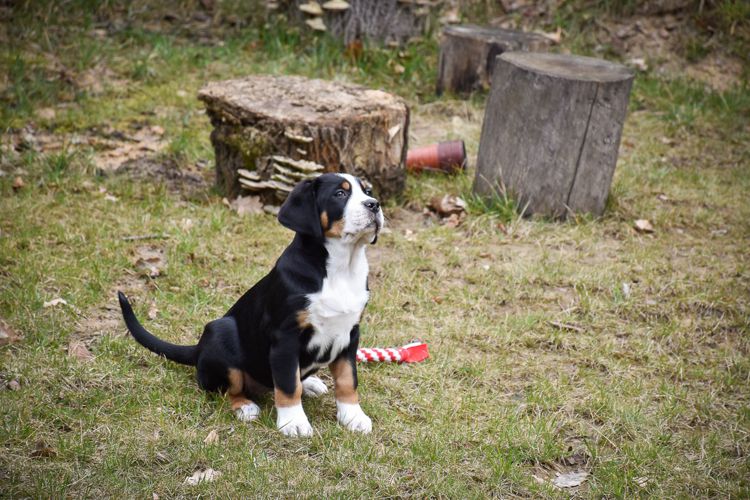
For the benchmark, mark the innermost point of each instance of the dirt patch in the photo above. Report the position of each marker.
(106, 319)
(136, 153)
(187, 181)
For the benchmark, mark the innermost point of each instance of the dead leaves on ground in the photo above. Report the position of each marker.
(7, 334)
(212, 437)
(78, 350)
(570, 479)
(449, 208)
(150, 260)
(144, 142)
(245, 205)
(202, 476)
(43, 450)
(643, 226)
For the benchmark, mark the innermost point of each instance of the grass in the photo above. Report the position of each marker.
(555, 346)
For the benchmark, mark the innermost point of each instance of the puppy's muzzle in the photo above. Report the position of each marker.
(372, 205)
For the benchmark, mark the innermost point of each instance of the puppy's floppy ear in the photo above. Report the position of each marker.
(300, 211)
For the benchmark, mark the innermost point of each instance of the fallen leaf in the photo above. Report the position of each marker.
(46, 113)
(555, 36)
(566, 326)
(7, 334)
(55, 302)
(570, 480)
(200, 476)
(18, 183)
(447, 205)
(247, 205)
(453, 221)
(398, 69)
(638, 63)
(13, 385)
(641, 481)
(43, 450)
(354, 49)
(643, 226)
(78, 350)
(111, 198)
(152, 311)
(150, 260)
(451, 16)
(213, 437)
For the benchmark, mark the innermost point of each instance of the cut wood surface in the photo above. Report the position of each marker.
(468, 53)
(551, 131)
(270, 132)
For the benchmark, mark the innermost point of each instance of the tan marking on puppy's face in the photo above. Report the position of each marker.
(343, 379)
(336, 230)
(346, 186)
(303, 319)
(324, 220)
(282, 399)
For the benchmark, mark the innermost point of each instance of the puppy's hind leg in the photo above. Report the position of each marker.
(219, 345)
(244, 409)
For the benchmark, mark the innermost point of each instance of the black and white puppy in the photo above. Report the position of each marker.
(301, 316)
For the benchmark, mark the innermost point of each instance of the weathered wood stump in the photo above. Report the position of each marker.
(383, 21)
(468, 53)
(551, 131)
(270, 132)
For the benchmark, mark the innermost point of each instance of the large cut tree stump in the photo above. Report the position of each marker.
(270, 132)
(468, 53)
(551, 131)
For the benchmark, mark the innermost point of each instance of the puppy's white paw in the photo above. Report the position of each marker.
(313, 387)
(248, 412)
(353, 418)
(292, 421)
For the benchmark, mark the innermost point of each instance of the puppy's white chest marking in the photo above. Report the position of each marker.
(338, 306)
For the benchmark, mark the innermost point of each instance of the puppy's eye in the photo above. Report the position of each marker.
(367, 191)
(340, 194)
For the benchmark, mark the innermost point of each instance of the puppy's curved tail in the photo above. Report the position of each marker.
(184, 354)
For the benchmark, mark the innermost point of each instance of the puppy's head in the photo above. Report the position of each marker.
(333, 206)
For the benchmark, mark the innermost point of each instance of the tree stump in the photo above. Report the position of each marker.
(551, 131)
(383, 21)
(468, 53)
(270, 132)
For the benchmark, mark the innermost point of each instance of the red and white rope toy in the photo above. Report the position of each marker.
(410, 353)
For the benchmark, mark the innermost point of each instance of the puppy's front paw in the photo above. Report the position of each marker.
(292, 421)
(313, 387)
(353, 418)
(248, 412)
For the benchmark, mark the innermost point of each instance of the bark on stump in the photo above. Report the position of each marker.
(468, 53)
(551, 132)
(382, 21)
(270, 132)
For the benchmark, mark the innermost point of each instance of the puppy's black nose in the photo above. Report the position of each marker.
(372, 205)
